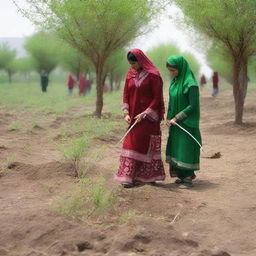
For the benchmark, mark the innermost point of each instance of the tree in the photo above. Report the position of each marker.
(11, 69)
(230, 23)
(117, 66)
(25, 65)
(219, 61)
(193, 63)
(73, 61)
(160, 53)
(7, 56)
(96, 28)
(44, 49)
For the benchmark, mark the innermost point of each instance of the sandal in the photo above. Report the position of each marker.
(186, 185)
(178, 181)
(187, 182)
(127, 185)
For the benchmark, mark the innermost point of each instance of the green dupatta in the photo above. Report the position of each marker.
(178, 91)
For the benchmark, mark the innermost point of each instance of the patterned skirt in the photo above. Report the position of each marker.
(143, 167)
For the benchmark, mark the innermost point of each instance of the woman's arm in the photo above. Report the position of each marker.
(153, 109)
(193, 96)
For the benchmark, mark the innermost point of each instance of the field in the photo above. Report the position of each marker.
(58, 196)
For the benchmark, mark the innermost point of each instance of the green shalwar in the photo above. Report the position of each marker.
(182, 152)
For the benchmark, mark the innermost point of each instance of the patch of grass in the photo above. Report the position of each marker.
(74, 151)
(124, 218)
(63, 131)
(6, 164)
(29, 96)
(15, 126)
(92, 159)
(26, 147)
(34, 124)
(86, 201)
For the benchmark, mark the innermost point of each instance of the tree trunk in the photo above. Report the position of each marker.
(111, 79)
(10, 77)
(99, 88)
(240, 82)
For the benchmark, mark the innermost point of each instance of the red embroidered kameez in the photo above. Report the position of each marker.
(140, 158)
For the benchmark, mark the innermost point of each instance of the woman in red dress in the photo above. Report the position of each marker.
(82, 84)
(140, 159)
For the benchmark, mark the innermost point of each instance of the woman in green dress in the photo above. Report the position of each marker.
(182, 152)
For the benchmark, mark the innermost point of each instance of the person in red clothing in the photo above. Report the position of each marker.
(82, 84)
(215, 84)
(140, 159)
(203, 80)
(70, 83)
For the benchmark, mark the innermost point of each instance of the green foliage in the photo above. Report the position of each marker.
(27, 96)
(159, 54)
(124, 218)
(16, 126)
(117, 66)
(6, 164)
(24, 65)
(193, 63)
(100, 197)
(7, 60)
(73, 61)
(87, 200)
(44, 49)
(230, 24)
(6, 55)
(74, 151)
(96, 28)
(219, 61)
(227, 21)
(252, 69)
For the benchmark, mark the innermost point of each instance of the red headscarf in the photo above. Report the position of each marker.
(144, 62)
(148, 66)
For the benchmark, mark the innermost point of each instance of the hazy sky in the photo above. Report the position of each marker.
(13, 24)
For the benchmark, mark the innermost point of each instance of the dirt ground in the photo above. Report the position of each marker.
(216, 217)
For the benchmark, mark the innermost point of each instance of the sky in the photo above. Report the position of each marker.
(13, 24)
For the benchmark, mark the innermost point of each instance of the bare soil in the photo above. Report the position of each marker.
(217, 217)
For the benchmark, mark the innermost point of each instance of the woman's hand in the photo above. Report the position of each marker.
(127, 119)
(140, 117)
(171, 122)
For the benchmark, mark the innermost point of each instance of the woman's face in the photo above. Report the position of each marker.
(173, 71)
(135, 65)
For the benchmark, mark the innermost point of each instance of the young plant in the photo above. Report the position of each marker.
(15, 126)
(74, 151)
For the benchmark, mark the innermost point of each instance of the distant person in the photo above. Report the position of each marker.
(70, 83)
(82, 85)
(44, 80)
(215, 84)
(182, 152)
(89, 85)
(105, 88)
(203, 81)
(140, 159)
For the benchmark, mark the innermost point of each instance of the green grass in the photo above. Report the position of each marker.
(5, 164)
(29, 96)
(16, 126)
(86, 201)
(77, 142)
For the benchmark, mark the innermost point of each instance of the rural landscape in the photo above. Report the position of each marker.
(61, 124)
